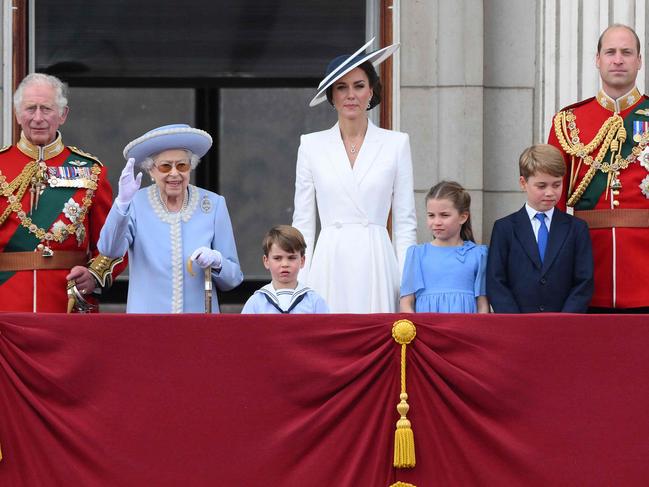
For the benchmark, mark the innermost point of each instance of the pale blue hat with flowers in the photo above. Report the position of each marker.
(175, 136)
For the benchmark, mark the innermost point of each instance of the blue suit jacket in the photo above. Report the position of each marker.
(517, 282)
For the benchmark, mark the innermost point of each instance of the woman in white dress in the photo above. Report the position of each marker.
(354, 174)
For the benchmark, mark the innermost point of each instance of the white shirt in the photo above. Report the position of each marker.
(536, 224)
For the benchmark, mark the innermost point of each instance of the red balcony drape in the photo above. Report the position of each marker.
(194, 400)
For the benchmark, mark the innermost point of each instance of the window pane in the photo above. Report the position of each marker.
(258, 140)
(199, 38)
(103, 120)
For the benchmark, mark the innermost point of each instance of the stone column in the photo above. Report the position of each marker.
(5, 32)
(441, 99)
(568, 35)
(509, 78)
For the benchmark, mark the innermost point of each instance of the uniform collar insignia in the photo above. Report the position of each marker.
(622, 103)
(38, 152)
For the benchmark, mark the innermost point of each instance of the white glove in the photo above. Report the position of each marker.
(128, 185)
(206, 257)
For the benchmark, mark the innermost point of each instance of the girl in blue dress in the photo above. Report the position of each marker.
(446, 275)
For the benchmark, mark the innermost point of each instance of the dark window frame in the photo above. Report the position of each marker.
(207, 106)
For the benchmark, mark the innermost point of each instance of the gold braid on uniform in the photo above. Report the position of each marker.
(611, 135)
(18, 186)
(15, 190)
(101, 267)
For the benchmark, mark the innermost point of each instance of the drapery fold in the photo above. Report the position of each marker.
(495, 400)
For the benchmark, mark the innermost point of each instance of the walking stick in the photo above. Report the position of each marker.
(208, 284)
(208, 290)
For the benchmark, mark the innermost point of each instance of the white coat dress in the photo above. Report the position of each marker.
(355, 266)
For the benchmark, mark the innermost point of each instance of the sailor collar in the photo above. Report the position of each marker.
(620, 104)
(41, 152)
(271, 296)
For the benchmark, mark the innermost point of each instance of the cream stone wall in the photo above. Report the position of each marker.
(442, 96)
(481, 79)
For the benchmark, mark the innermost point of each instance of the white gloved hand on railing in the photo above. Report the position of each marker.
(206, 257)
(128, 185)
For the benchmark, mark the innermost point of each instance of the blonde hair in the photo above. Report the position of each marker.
(541, 158)
(461, 200)
(286, 237)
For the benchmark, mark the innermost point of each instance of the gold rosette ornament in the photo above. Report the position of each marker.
(404, 332)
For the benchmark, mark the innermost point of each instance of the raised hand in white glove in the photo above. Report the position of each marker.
(128, 185)
(206, 257)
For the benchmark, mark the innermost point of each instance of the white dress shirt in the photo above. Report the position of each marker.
(536, 224)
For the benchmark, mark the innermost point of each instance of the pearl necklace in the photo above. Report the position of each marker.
(182, 208)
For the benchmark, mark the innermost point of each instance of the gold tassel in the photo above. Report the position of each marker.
(404, 332)
(71, 299)
(403, 484)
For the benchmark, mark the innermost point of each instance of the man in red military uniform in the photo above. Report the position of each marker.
(607, 185)
(53, 202)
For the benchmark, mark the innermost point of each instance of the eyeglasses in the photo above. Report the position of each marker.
(182, 165)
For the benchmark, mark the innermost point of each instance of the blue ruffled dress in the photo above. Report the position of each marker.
(445, 279)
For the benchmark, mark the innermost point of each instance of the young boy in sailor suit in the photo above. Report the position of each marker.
(284, 249)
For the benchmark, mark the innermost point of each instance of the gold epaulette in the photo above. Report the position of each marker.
(5, 148)
(101, 267)
(76, 150)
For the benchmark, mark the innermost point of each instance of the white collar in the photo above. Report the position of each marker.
(272, 293)
(531, 212)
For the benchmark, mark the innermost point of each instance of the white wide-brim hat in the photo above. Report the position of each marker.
(176, 136)
(342, 65)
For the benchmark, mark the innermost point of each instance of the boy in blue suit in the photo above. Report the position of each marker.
(540, 258)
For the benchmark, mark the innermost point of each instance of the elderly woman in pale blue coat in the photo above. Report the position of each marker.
(168, 224)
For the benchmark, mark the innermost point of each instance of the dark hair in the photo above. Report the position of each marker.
(375, 84)
(286, 237)
(461, 199)
(618, 26)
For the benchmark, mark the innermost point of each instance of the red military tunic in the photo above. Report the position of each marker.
(620, 249)
(46, 290)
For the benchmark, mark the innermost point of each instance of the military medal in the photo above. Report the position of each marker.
(643, 158)
(644, 186)
(69, 177)
(639, 129)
